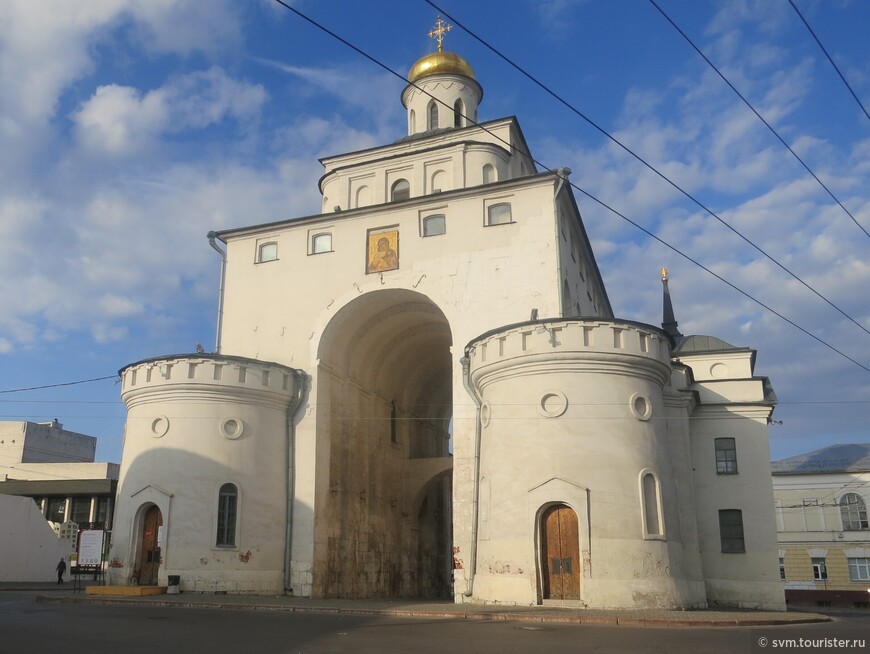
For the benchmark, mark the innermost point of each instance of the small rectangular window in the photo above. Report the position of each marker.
(782, 568)
(726, 456)
(267, 252)
(820, 569)
(859, 569)
(434, 225)
(499, 214)
(731, 530)
(321, 243)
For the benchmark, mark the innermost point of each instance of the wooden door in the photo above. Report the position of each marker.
(560, 553)
(149, 551)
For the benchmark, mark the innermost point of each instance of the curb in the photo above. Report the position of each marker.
(525, 617)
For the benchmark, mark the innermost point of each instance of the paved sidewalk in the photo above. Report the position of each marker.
(49, 592)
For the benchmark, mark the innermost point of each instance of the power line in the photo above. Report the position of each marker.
(836, 68)
(759, 116)
(667, 179)
(512, 147)
(73, 383)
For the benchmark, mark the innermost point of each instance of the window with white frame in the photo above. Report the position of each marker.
(267, 252)
(434, 225)
(228, 497)
(731, 531)
(726, 456)
(820, 569)
(782, 568)
(853, 512)
(652, 523)
(321, 243)
(499, 214)
(859, 569)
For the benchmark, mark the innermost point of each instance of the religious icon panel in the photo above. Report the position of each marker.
(382, 252)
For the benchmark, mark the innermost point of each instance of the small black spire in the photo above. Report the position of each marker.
(669, 323)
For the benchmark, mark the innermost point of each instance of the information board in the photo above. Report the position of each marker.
(90, 547)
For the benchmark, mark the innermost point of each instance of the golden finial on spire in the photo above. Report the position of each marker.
(438, 32)
(664, 274)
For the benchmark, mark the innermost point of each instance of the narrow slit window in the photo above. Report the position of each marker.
(458, 110)
(227, 510)
(433, 115)
(652, 523)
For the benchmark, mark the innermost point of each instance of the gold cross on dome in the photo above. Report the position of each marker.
(438, 32)
(664, 274)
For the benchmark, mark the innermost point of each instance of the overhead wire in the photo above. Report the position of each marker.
(830, 59)
(643, 161)
(512, 147)
(758, 115)
(72, 383)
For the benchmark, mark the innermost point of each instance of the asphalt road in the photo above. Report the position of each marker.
(30, 628)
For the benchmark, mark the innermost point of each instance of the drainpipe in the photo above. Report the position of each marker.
(212, 236)
(475, 491)
(300, 380)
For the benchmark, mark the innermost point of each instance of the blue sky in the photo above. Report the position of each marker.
(128, 130)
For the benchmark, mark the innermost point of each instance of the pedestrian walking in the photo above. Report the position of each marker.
(61, 568)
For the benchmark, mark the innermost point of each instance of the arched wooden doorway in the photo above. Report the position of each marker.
(148, 565)
(560, 553)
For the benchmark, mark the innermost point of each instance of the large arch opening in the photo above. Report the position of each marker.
(384, 402)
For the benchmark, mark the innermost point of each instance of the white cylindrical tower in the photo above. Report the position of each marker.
(577, 500)
(204, 473)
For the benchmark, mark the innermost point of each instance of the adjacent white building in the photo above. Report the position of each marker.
(50, 486)
(821, 518)
(423, 391)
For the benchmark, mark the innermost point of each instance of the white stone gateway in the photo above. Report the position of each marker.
(423, 392)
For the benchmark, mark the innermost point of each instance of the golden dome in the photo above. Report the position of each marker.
(440, 63)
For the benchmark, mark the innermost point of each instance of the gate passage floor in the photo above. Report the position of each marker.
(436, 609)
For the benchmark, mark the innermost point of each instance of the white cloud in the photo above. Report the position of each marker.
(118, 120)
(182, 26)
(121, 120)
(354, 85)
(44, 46)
